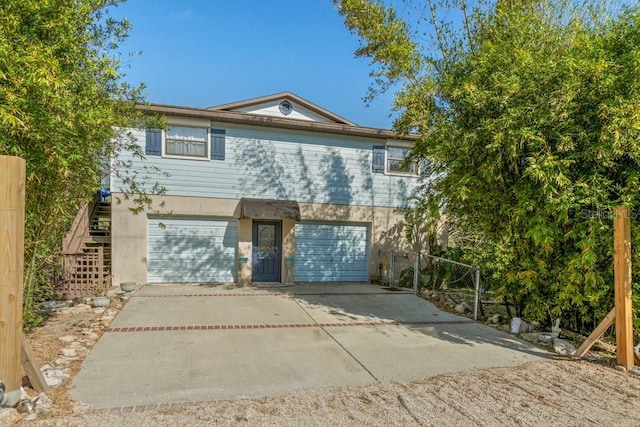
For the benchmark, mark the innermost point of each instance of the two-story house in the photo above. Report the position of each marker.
(273, 189)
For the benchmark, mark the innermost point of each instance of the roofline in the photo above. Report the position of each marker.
(307, 104)
(275, 122)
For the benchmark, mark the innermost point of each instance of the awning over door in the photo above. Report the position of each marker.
(269, 209)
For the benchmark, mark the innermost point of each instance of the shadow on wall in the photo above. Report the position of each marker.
(331, 253)
(188, 254)
(265, 176)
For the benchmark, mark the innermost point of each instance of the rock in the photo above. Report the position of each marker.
(90, 335)
(620, 368)
(44, 404)
(530, 336)
(545, 337)
(563, 347)
(64, 360)
(54, 377)
(635, 371)
(67, 339)
(82, 307)
(68, 352)
(519, 326)
(451, 303)
(535, 324)
(495, 319)
(555, 330)
(49, 305)
(462, 308)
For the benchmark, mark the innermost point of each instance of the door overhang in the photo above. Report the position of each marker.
(269, 209)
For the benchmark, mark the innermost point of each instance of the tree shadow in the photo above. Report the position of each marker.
(331, 303)
(194, 256)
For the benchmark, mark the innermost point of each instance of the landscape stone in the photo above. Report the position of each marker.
(44, 404)
(545, 337)
(68, 352)
(530, 336)
(67, 339)
(462, 308)
(563, 347)
(54, 377)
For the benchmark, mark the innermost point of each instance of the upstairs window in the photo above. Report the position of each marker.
(186, 141)
(397, 161)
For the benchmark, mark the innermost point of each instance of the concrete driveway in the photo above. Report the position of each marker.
(178, 344)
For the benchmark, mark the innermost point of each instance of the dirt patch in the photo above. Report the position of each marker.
(62, 343)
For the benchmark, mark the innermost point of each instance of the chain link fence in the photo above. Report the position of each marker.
(452, 280)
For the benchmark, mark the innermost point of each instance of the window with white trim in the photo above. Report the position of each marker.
(186, 141)
(397, 161)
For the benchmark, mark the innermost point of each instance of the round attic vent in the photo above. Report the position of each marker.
(285, 108)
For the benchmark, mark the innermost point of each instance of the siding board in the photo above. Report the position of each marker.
(281, 164)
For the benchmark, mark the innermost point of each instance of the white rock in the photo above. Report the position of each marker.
(90, 335)
(67, 339)
(545, 337)
(64, 360)
(563, 347)
(68, 352)
(83, 307)
(621, 368)
(462, 308)
(54, 377)
(44, 404)
(555, 330)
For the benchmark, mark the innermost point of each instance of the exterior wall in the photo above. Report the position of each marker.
(129, 232)
(288, 250)
(278, 164)
(245, 244)
(271, 109)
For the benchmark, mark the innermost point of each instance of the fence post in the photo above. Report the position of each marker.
(476, 279)
(622, 280)
(416, 273)
(12, 190)
(392, 269)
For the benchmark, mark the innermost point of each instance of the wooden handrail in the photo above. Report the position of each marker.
(73, 240)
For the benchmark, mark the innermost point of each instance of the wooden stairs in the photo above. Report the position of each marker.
(87, 251)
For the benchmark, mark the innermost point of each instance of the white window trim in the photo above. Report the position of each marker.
(399, 144)
(206, 157)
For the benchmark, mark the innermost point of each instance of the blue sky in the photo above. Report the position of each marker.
(201, 53)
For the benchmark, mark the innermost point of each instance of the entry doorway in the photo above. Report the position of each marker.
(267, 251)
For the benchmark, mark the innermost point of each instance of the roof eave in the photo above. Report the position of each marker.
(288, 95)
(275, 122)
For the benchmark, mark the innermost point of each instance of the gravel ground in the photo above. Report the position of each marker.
(554, 392)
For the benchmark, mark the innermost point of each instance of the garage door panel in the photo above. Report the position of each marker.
(185, 250)
(331, 252)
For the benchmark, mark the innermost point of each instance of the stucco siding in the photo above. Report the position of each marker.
(279, 164)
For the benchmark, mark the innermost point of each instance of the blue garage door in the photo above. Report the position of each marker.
(331, 253)
(192, 250)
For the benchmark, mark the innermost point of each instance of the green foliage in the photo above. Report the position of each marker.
(528, 113)
(62, 103)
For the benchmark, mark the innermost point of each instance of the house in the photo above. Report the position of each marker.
(272, 189)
